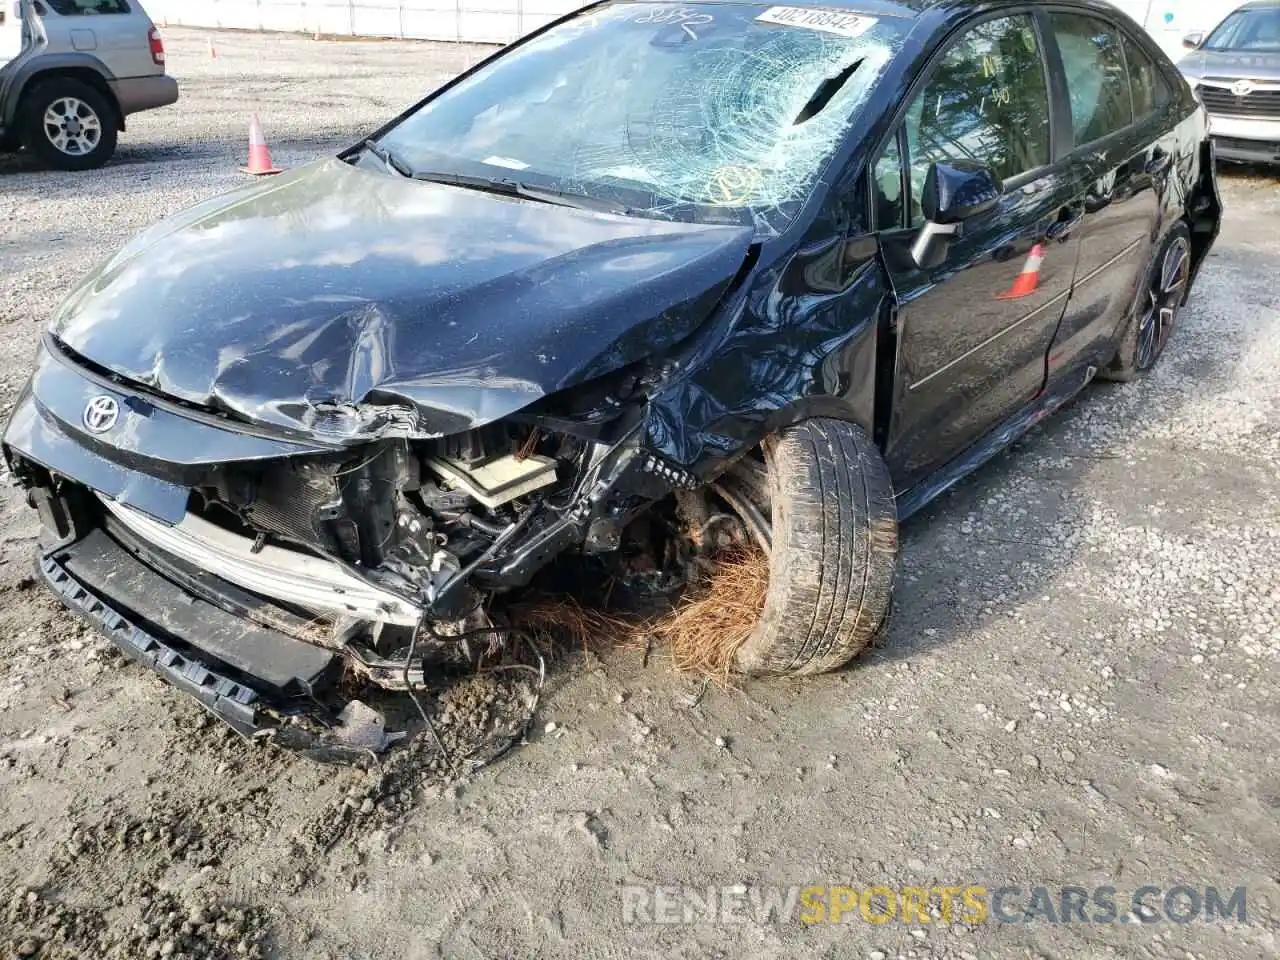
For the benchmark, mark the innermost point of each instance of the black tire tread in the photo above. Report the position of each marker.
(835, 544)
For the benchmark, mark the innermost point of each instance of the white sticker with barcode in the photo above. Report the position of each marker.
(828, 21)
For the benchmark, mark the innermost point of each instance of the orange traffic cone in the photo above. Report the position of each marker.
(213, 50)
(1028, 280)
(259, 156)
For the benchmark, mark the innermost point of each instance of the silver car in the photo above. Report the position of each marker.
(71, 71)
(1235, 73)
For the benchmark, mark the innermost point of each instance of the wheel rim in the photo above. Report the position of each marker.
(72, 126)
(1168, 287)
(745, 489)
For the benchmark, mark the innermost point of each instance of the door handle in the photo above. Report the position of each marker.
(1159, 162)
(1069, 218)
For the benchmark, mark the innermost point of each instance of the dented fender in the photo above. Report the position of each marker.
(798, 341)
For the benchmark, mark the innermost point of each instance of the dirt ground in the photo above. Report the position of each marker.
(1079, 687)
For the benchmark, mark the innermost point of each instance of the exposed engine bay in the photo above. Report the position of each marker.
(410, 516)
(402, 542)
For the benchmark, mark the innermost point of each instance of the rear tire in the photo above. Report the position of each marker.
(68, 125)
(834, 553)
(1155, 310)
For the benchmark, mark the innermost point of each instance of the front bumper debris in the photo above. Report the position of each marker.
(265, 685)
(309, 582)
(233, 702)
(230, 561)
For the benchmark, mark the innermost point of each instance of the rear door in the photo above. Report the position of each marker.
(1120, 126)
(973, 333)
(114, 31)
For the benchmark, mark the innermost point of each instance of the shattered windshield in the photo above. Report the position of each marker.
(708, 112)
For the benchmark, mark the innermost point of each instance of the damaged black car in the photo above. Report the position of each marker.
(792, 270)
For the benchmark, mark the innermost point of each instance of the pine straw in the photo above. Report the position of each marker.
(706, 631)
(702, 634)
(555, 619)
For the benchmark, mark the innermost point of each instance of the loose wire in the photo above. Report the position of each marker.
(431, 727)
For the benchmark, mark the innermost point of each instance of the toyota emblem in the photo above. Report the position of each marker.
(1242, 88)
(101, 414)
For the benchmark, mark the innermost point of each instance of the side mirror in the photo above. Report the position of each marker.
(1193, 40)
(954, 191)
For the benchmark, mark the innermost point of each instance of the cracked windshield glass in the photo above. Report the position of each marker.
(707, 112)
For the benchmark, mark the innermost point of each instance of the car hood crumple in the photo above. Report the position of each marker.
(350, 304)
(1232, 65)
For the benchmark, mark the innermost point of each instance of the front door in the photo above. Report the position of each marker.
(974, 332)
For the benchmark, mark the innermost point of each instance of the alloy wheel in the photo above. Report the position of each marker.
(1168, 288)
(72, 126)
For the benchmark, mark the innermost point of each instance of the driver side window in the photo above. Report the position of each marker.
(988, 100)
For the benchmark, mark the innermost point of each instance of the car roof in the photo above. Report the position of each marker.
(1255, 4)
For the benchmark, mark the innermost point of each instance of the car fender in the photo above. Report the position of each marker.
(824, 339)
(1204, 209)
(44, 64)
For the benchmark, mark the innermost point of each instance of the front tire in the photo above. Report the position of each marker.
(834, 550)
(1155, 310)
(68, 125)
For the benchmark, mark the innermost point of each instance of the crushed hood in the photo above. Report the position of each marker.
(328, 292)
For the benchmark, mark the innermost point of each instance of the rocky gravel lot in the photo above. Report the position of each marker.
(1080, 685)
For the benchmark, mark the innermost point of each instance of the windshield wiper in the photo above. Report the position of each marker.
(514, 188)
(827, 89)
(389, 159)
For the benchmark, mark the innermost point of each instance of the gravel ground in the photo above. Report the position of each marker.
(1079, 687)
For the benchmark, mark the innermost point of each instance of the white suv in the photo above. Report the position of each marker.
(71, 71)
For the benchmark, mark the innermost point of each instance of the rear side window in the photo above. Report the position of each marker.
(80, 8)
(1144, 79)
(988, 101)
(1097, 82)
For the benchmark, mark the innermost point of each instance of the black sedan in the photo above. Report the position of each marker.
(791, 270)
